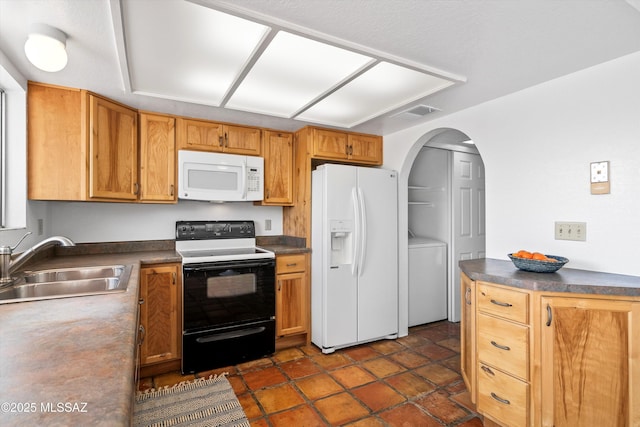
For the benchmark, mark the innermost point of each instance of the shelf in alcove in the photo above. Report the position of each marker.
(426, 204)
(422, 188)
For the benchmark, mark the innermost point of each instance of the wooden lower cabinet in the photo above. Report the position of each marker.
(292, 299)
(502, 397)
(533, 358)
(160, 318)
(590, 361)
(502, 352)
(467, 334)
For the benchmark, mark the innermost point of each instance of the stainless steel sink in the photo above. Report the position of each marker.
(66, 282)
(65, 274)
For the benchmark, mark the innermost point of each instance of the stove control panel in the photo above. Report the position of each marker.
(211, 230)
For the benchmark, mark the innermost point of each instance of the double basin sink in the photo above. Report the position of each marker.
(66, 282)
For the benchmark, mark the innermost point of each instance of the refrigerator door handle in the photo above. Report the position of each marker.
(363, 232)
(356, 240)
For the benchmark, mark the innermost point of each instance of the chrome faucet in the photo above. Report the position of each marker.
(9, 264)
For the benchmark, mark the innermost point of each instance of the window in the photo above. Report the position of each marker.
(13, 153)
(3, 169)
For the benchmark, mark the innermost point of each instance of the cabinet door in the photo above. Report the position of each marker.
(589, 362)
(157, 158)
(468, 334)
(57, 143)
(278, 168)
(291, 303)
(329, 144)
(113, 136)
(160, 313)
(199, 135)
(365, 148)
(242, 140)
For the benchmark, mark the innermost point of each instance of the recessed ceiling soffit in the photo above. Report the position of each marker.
(205, 52)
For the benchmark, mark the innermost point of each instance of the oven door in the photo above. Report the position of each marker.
(227, 293)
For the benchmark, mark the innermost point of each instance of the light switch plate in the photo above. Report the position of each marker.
(571, 231)
(599, 175)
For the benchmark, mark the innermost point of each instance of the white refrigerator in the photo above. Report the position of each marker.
(354, 241)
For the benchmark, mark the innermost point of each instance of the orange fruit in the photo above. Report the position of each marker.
(538, 256)
(524, 254)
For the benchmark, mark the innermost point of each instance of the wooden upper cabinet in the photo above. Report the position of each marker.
(242, 140)
(84, 147)
(157, 158)
(199, 135)
(350, 147)
(328, 144)
(57, 145)
(365, 148)
(278, 168)
(203, 135)
(113, 146)
(80, 146)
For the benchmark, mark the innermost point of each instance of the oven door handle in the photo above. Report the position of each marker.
(214, 266)
(230, 335)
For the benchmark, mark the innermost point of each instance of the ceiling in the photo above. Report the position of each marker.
(483, 49)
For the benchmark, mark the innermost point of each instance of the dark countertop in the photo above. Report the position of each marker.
(283, 245)
(564, 280)
(71, 361)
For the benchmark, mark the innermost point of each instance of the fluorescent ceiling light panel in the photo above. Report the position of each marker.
(184, 51)
(379, 90)
(291, 73)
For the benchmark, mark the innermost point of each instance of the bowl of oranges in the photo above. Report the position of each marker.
(537, 262)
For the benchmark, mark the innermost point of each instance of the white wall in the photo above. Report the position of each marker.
(20, 215)
(114, 222)
(537, 145)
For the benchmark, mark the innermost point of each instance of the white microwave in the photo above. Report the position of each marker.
(219, 177)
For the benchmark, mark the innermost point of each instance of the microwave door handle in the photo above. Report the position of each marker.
(244, 180)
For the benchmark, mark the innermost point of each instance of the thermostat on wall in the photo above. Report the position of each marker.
(600, 183)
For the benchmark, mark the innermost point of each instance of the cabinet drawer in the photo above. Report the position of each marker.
(502, 397)
(504, 344)
(290, 263)
(509, 304)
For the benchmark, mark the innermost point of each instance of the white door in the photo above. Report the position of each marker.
(378, 253)
(468, 231)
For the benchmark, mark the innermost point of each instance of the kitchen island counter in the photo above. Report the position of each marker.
(72, 361)
(570, 280)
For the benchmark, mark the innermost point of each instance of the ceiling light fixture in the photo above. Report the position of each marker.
(46, 48)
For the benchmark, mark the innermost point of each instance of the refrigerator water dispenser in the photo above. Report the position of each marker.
(341, 242)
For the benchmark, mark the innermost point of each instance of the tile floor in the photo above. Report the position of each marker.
(412, 381)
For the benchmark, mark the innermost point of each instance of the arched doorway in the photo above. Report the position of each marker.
(445, 222)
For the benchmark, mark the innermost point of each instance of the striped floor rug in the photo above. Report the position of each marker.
(202, 402)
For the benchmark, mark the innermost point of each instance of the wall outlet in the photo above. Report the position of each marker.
(571, 231)
(267, 224)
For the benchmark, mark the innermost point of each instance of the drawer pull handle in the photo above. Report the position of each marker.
(499, 399)
(467, 296)
(501, 304)
(488, 370)
(501, 347)
(292, 264)
(549, 316)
